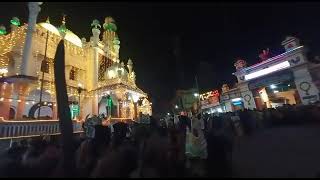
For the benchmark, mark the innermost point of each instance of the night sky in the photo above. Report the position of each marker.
(200, 39)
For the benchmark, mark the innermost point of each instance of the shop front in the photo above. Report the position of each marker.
(231, 99)
(210, 102)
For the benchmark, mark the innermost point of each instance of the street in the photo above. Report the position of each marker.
(284, 152)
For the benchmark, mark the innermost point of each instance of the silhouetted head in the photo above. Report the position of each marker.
(102, 133)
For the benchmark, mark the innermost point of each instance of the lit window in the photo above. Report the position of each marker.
(45, 66)
(72, 75)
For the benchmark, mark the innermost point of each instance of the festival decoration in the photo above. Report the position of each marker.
(109, 24)
(239, 64)
(95, 24)
(3, 30)
(264, 55)
(15, 21)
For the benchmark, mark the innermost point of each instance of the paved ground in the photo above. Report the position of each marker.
(279, 152)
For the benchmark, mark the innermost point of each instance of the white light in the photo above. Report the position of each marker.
(168, 114)
(80, 85)
(111, 74)
(1, 99)
(3, 71)
(272, 86)
(276, 91)
(176, 106)
(219, 110)
(135, 98)
(236, 99)
(45, 103)
(32, 102)
(27, 103)
(196, 94)
(268, 70)
(54, 105)
(10, 100)
(288, 85)
(19, 100)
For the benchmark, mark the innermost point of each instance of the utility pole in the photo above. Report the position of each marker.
(197, 86)
(43, 66)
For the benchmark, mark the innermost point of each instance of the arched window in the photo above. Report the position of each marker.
(72, 75)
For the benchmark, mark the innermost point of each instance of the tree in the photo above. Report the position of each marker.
(64, 115)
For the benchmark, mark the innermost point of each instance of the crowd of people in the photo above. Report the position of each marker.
(196, 146)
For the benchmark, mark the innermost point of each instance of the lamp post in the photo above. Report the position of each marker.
(135, 99)
(198, 95)
(80, 89)
(44, 66)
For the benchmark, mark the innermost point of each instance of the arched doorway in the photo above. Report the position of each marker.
(46, 105)
(12, 113)
(46, 111)
(103, 105)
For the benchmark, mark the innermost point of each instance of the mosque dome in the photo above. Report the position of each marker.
(70, 36)
(50, 28)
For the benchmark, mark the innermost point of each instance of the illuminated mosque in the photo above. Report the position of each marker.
(98, 82)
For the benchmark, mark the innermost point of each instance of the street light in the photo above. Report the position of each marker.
(79, 92)
(176, 106)
(135, 99)
(196, 95)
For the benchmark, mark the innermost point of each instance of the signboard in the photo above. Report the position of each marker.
(210, 99)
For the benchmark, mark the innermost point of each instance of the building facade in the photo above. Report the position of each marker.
(288, 78)
(97, 80)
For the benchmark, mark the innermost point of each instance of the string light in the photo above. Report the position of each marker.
(16, 39)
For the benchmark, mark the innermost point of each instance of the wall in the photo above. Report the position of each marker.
(305, 86)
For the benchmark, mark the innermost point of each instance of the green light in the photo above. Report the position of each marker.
(110, 27)
(15, 21)
(75, 111)
(3, 30)
(63, 29)
(116, 41)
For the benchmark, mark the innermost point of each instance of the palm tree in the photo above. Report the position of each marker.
(64, 115)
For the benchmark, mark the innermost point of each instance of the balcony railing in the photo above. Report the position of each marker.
(19, 129)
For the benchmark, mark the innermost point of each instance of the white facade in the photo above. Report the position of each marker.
(88, 64)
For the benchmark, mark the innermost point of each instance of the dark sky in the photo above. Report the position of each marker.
(212, 35)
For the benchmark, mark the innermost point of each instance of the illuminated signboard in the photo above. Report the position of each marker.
(237, 103)
(210, 98)
(268, 70)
